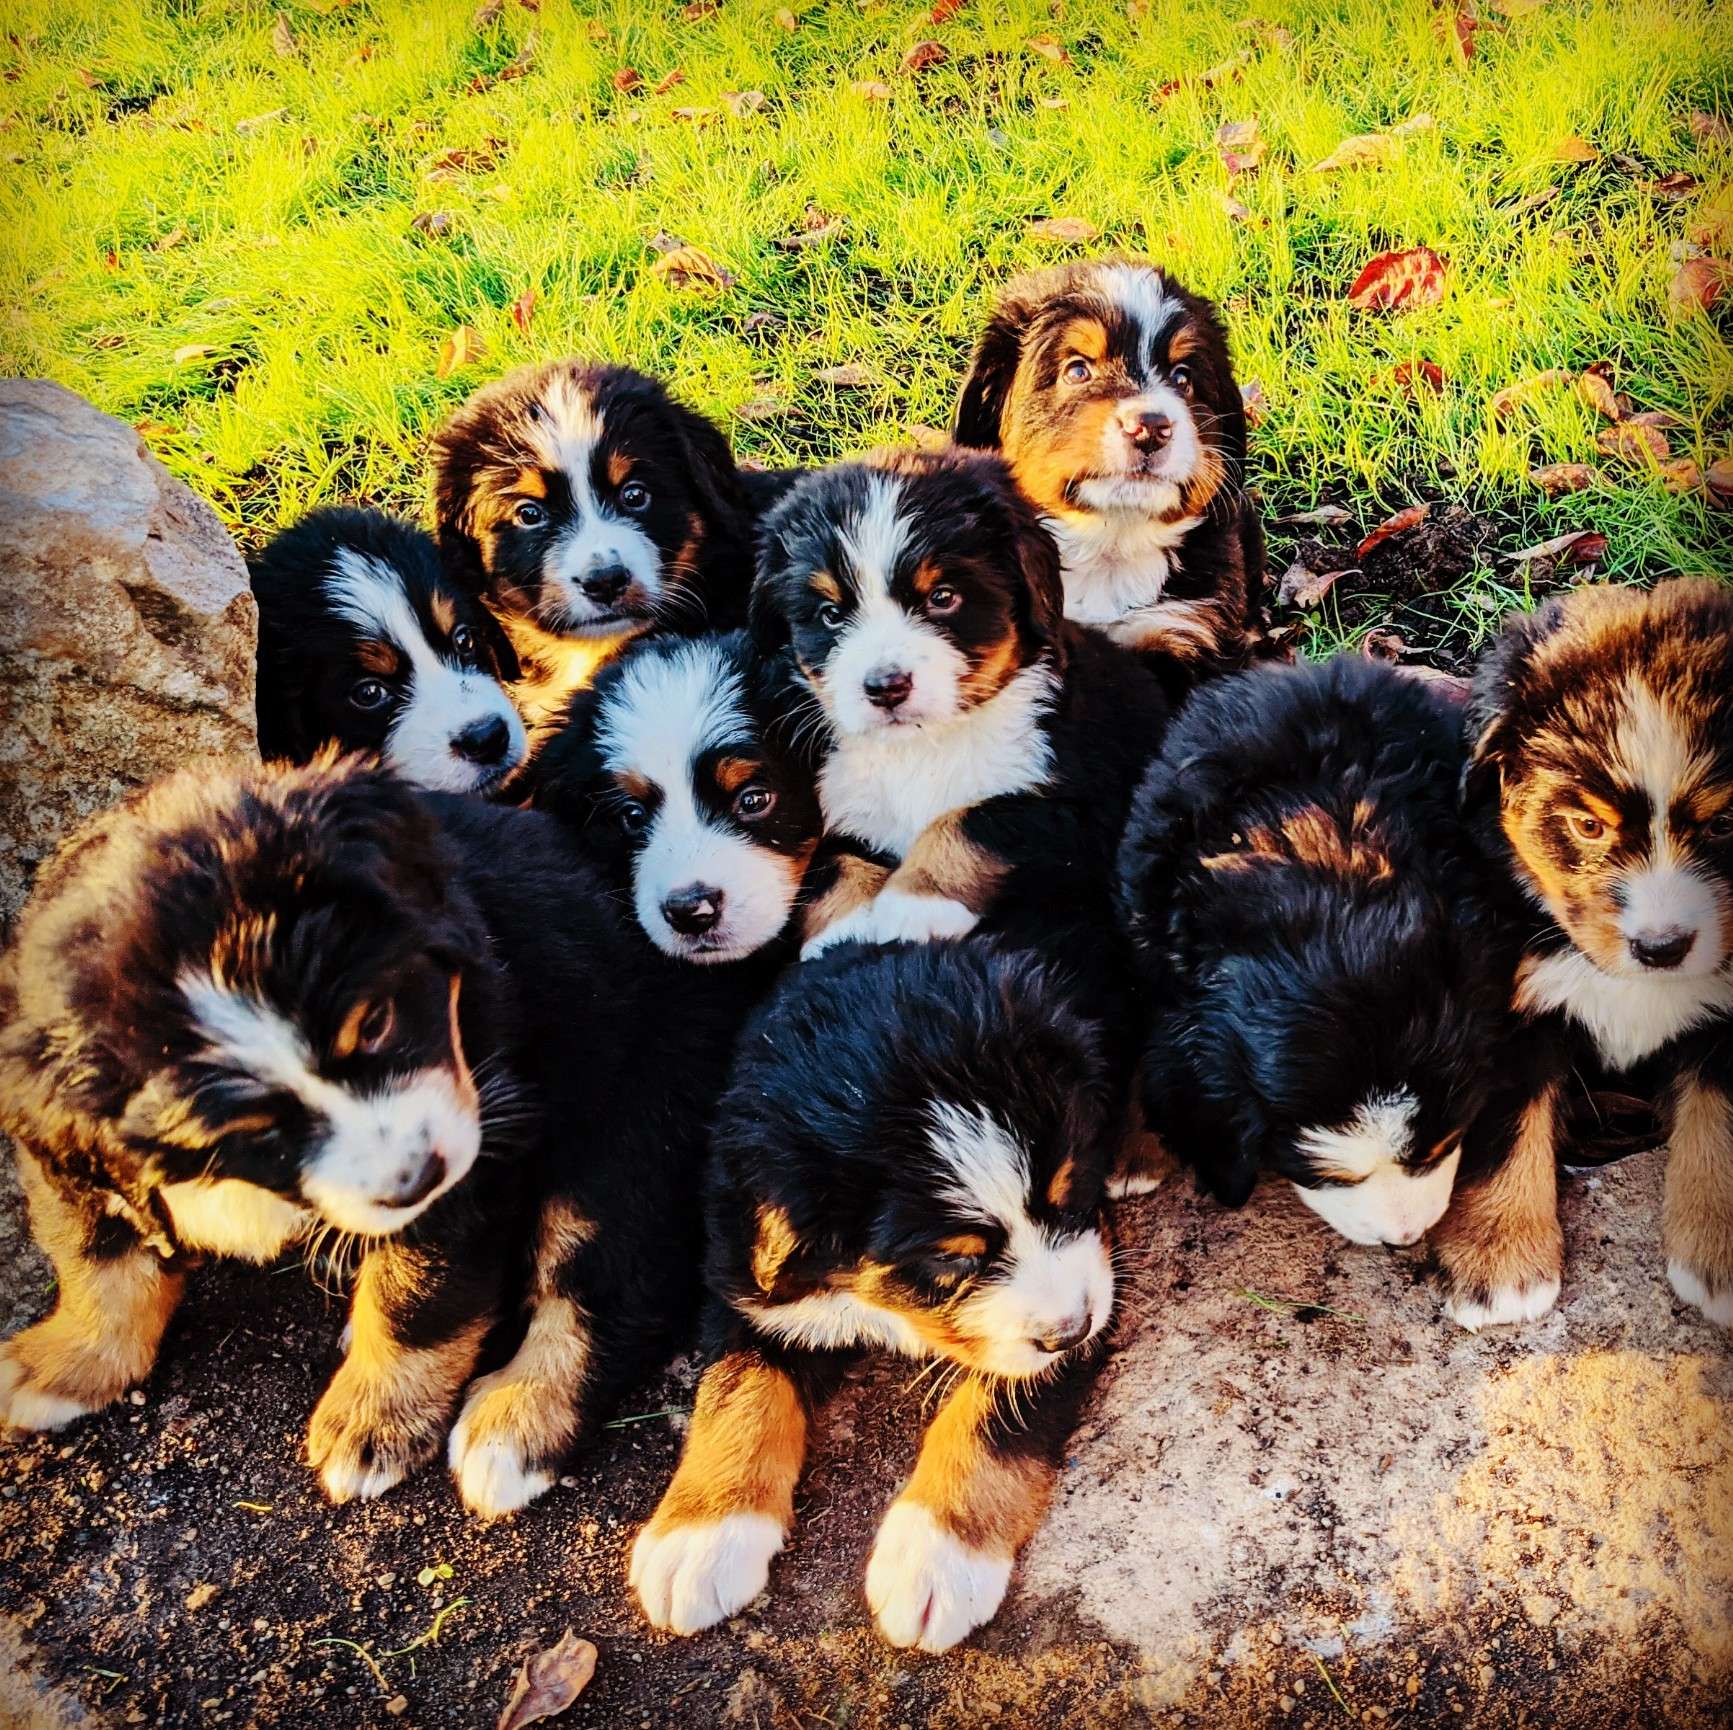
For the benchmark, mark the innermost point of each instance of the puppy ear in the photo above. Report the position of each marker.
(766, 623)
(987, 386)
(1231, 1173)
(712, 469)
(563, 773)
(1490, 718)
(1156, 833)
(777, 1257)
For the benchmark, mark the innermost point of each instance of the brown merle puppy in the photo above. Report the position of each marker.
(1601, 780)
(587, 506)
(910, 1156)
(1110, 391)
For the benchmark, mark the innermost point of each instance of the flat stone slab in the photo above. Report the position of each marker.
(1301, 1497)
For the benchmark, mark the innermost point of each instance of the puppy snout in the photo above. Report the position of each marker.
(606, 584)
(416, 1183)
(1663, 949)
(1150, 432)
(888, 687)
(483, 742)
(694, 910)
(1069, 1333)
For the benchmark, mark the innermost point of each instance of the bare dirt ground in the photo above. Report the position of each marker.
(1297, 1515)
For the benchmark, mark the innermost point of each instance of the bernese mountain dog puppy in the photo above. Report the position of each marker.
(1318, 941)
(364, 643)
(682, 785)
(910, 1156)
(252, 1009)
(1601, 782)
(586, 506)
(1109, 389)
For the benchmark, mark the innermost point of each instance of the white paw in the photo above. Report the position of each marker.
(926, 1588)
(902, 918)
(348, 1479)
(855, 927)
(1717, 1306)
(492, 1476)
(690, 1577)
(28, 1408)
(1139, 1183)
(1508, 1304)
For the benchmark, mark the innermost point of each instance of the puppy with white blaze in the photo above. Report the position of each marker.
(910, 1157)
(1316, 935)
(1601, 785)
(365, 644)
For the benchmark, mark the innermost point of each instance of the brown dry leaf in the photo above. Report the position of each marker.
(1233, 67)
(1236, 211)
(487, 14)
(283, 41)
(872, 90)
(1652, 417)
(1595, 387)
(1052, 102)
(1324, 517)
(176, 236)
(1070, 228)
(1712, 221)
(89, 80)
(184, 356)
(689, 267)
(432, 221)
(1413, 124)
(1413, 374)
(1458, 31)
(1697, 285)
(1254, 401)
(740, 103)
(667, 82)
(848, 376)
(925, 54)
(762, 408)
(1578, 547)
(1681, 474)
(1674, 186)
(549, 1682)
(523, 309)
(815, 226)
(1556, 479)
(1400, 524)
(1505, 400)
(1383, 644)
(927, 438)
(1710, 128)
(1575, 149)
(463, 347)
(521, 62)
(1412, 277)
(1242, 149)
(694, 116)
(1303, 587)
(111, 259)
(1718, 482)
(628, 79)
(254, 122)
(1363, 150)
(786, 20)
(1050, 48)
(699, 10)
(945, 10)
(1633, 443)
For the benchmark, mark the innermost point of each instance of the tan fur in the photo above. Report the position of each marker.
(1697, 1208)
(1187, 630)
(824, 584)
(944, 861)
(1047, 460)
(984, 1499)
(229, 1217)
(561, 1232)
(530, 1404)
(619, 466)
(1505, 1231)
(732, 773)
(857, 882)
(444, 611)
(1142, 1159)
(775, 1243)
(377, 657)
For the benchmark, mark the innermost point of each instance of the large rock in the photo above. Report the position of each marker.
(127, 633)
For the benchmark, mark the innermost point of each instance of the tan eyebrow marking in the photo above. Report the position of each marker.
(732, 773)
(379, 657)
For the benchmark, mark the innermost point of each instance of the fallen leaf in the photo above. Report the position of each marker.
(487, 14)
(1413, 277)
(1458, 30)
(689, 267)
(694, 116)
(523, 309)
(1240, 146)
(1303, 587)
(740, 103)
(1556, 479)
(925, 54)
(1413, 124)
(760, 321)
(89, 80)
(1697, 285)
(1255, 403)
(669, 80)
(848, 376)
(927, 438)
(1233, 67)
(1400, 524)
(175, 237)
(244, 127)
(945, 10)
(1575, 149)
(762, 408)
(1595, 387)
(463, 347)
(628, 79)
(1578, 547)
(699, 10)
(1383, 644)
(1651, 417)
(1718, 482)
(283, 40)
(111, 339)
(1363, 150)
(1050, 48)
(1052, 102)
(1063, 228)
(1712, 221)
(1324, 517)
(786, 20)
(432, 221)
(1633, 443)
(1236, 211)
(111, 259)
(549, 1682)
(1710, 128)
(816, 226)
(183, 356)
(1535, 201)
(1674, 186)
(1505, 400)
(1681, 475)
(1412, 374)
(871, 90)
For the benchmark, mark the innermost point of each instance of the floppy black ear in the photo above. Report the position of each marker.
(564, 772)
(766, 623)
(1490, 718)
(1043, 578)
(1157, 833)
(712, 468)
(987, 385)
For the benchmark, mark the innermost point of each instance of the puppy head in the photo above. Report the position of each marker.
(269, 969)
(923, 1136)
(911, 588)
(1296, 878)
(365, 644)
(1109, 389)
(584, 499)
(1601, 733)
(676, 778)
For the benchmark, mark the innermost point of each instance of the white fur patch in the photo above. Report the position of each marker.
(894, 916)
(229, 1217)
(493, 1478)
(925, 1587)
(1716, 1306)
(1387, 1202)
(1505, 1307)
(1140, 294)
(1628, 1017)
(690, 1577)
(443, 699)
(346, 1480)
(833, 1320)
(23, 1408)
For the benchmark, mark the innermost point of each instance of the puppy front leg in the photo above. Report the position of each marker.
(706, 1552)
(1142, 1162)
(1500, 1244)
(114, 1302)
(943, 1555)
(416, 1327)
(1697, 1205)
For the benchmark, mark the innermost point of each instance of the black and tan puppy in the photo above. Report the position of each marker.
(910, 1156)
(587, 506)
(1601, 732)
(1109, 389)
(366, 644)
(1317, 937)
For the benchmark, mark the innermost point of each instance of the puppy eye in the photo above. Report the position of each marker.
(635, 496)
(369, 694)
(373, 1031)
(1180, 377)
(951, 1269)
(1077, 370)
(529, 515)
(943, 600)
(1584, 826)
(830, 615)
(1720, 827)
(633, 817)
(463, 640)
(754, 801)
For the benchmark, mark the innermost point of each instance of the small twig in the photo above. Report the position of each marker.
(643, 1417)
(432, 1633)
(1330, 1683)
(1287, 1305)
(256, 1507)
(364, 1655)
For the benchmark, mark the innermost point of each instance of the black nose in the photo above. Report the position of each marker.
(1663, 949)
(606, 585)
(694, 910)
(1151, 432)
(1062, 1339)
(888, 687)
(417, 1186)
(483, 742)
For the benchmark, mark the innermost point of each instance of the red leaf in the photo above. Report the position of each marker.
(523, 309)
(677, 76)
(1697, 285)
(1412, 374)
(946, 10)
(925, 54)
(1578, 547)
(1414, 277)
(628, 79)
(1399, 524)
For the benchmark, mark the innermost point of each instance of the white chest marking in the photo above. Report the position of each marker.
(1117, 562)
(1628, 1018)
(885, 787)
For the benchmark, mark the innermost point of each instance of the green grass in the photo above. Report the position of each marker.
(173, 180)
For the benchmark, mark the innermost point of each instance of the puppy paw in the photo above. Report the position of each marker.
(1717, 1306)
(366, 1436)
(1501, 1306)
(927, 1588)
(497, 1460)
(855, 927)
(691, 1576)
(34, 1398)
(901, 918)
